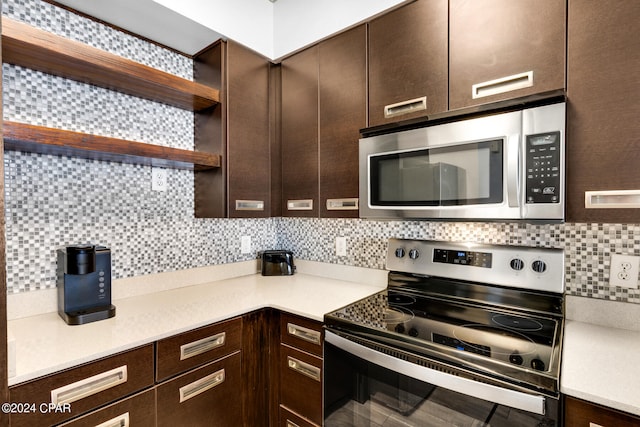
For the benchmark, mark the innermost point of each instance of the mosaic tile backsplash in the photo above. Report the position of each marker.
(53, 201)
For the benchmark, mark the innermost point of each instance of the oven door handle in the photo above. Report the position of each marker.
(491, 393)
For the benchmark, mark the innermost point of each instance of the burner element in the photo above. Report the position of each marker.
(517, 323)
(395, 315)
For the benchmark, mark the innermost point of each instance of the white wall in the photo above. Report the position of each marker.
(276, 29)
(249, 22)
(298, 23)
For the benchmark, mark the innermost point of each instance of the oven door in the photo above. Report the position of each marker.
(366, 387)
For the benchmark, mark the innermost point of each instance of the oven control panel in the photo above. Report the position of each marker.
(460, 257)
(513, 266)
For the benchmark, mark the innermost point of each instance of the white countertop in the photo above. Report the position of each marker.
(45, 343)
(600, 361)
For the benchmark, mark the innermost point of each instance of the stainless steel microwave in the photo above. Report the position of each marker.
(505, 166)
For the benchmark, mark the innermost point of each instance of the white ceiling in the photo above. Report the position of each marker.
(271, 28)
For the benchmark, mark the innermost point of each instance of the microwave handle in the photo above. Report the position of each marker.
(513, 170)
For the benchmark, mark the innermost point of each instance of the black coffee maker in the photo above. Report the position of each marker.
(84, 284)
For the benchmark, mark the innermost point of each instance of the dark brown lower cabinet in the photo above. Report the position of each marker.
(579, 413)
(138, 410)
(207, 396)
(84, 388)
(290, 419)
(300, 369)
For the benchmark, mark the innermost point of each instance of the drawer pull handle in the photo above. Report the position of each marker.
(300, 205)
(304, 368)
(89, 386)
(119, 421)
(620, 199)
(303, 333)
(502, 85)
(291, 424)
(249, 205)
(405, 107)
(342, 204)
(202, 346)
(202, 385)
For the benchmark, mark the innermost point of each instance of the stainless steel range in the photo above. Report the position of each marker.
(464, 334)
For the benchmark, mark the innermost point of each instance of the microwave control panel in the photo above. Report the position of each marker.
(543, 168)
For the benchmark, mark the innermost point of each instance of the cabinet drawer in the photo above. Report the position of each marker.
(289, 419)
(207, 396)
(136, 411)
(304, 334)
(301, 383)
(579, 413)
(186, 351)
(85, 388)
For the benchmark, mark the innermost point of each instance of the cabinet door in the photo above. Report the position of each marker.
(304, 334)
(603, 87)
(496, 43)
(188, 350)
(579, 413)
(301, 383)
(248, 139)
(408, 61)
(209, 396)
(343, 98)
(300, 192)
(138, 410)
(85, 387)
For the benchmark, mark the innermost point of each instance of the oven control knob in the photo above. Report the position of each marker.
(517, 264)
(539, 266)
(537, 364)
(516, 359)
(414, 254)
(400, 328)
(413, 332)
(400, 252)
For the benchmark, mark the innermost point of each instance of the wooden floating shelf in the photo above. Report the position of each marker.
(40, 50)
(44, 140)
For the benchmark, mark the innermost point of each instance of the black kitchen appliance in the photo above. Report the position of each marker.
(277, 263)
(465, 334)
(84, 284)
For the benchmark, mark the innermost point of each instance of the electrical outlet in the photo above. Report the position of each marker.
(158, 179)
(341, 246)
(624, 271)
(245, 244)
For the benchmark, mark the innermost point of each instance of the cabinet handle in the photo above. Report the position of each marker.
(303, 368)
(291, 424)
(502, 85)
(615, 199)
(202, 385)
(119, 421)
(350, 204)
(303, 333)
(202, 346)
(89, 386)
(249, 205)
(300, 205)
(405, 107)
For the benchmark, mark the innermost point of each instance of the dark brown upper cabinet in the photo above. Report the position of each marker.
(248, 133)
(343, 94)
(323, 110)
(603, 87)
(300, 178)
(408, 62)
(502, 49)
